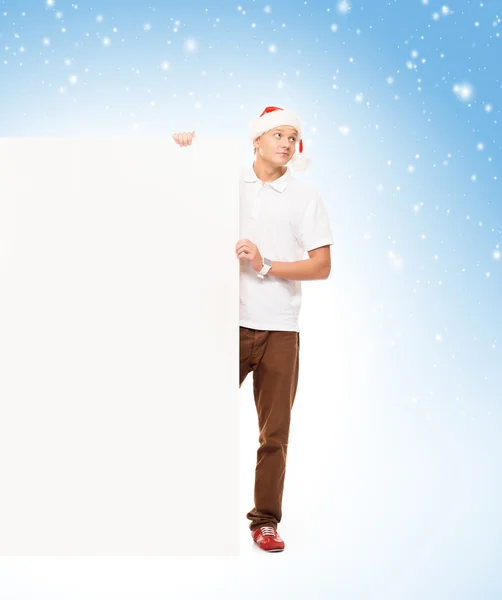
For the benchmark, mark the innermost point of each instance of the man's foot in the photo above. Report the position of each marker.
(268, 539)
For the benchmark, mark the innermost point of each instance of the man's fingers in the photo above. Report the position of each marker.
(184, 138)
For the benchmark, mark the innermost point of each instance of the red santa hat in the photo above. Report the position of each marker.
(273, 117)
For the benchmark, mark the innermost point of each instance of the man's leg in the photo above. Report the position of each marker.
(246, 347)
(275, 382)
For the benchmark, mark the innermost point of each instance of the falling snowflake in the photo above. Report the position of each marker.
(334, 27)
(272, 48)
(344, 129)
(343, 6)
(395, 261)
(463, 91)
(191, 45)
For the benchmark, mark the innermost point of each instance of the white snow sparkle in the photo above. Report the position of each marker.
(463, 91)
(191, 45)
(343, 6)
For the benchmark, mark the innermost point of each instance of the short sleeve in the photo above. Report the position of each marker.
(315, 228)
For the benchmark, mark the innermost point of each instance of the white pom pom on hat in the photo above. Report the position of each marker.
(273, 117)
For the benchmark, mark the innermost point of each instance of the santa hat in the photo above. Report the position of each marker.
(273, 117)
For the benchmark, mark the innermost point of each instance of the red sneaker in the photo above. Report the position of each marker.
(268, 539)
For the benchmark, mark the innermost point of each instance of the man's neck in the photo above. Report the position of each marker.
(267, 172)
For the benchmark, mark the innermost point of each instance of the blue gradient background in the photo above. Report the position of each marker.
(413, 197)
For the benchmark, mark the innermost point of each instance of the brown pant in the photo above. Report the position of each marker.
(273, 356)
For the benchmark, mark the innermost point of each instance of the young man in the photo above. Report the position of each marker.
(281, 218)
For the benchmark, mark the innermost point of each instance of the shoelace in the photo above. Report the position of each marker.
(267, 531)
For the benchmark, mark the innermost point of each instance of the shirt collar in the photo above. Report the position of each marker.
(279, 184)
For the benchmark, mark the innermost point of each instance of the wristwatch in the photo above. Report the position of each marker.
(267, 265)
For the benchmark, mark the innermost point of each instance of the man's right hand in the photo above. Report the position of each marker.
(184, 138)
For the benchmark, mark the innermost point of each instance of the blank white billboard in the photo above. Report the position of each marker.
(118, 347)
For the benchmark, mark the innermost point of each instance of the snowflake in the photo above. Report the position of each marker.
(191, 45)
(463, 91)
(343, 6)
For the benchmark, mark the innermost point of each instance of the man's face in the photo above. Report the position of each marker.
(277, 146)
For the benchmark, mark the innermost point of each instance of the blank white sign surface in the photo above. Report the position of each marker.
(118, 347)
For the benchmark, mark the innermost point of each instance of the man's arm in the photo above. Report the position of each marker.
(317, 266)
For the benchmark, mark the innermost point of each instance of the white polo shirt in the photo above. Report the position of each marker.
(285, 218)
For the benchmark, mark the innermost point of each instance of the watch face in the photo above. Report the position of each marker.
(267, 262)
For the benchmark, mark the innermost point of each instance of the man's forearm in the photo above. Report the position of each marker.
(301, 270)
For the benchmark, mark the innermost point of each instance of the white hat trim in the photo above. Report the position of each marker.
(274, 119)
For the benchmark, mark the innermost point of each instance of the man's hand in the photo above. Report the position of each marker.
(246, 249)
(184, 138)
